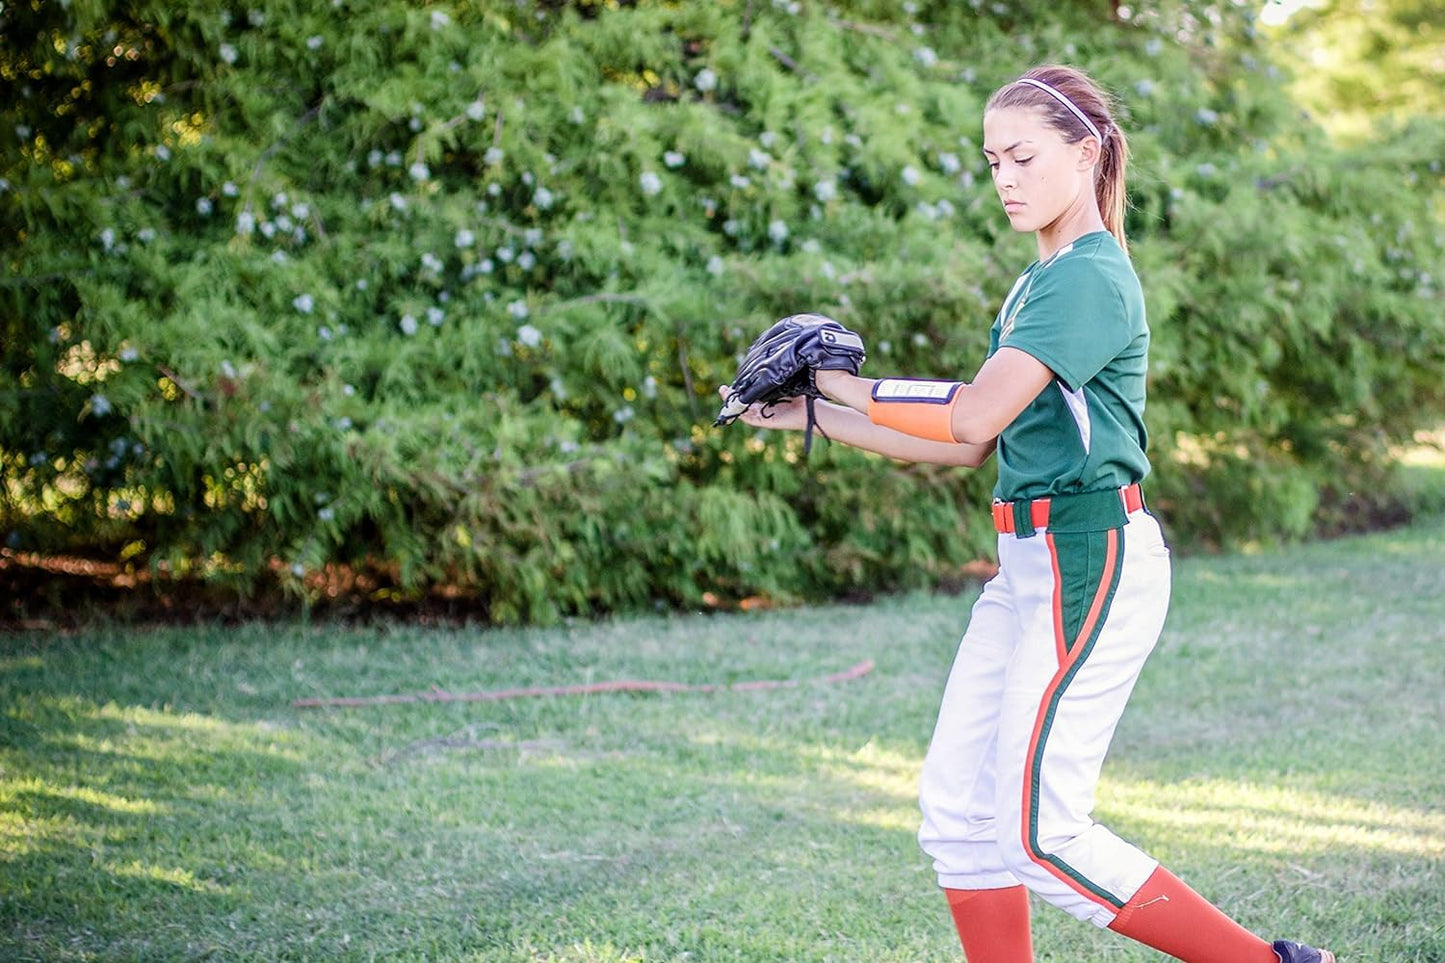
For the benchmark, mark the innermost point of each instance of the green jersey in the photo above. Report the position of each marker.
(1081, 313)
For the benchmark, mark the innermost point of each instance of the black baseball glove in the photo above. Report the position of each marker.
(782, 362)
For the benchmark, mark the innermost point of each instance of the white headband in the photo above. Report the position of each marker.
(1059, 96)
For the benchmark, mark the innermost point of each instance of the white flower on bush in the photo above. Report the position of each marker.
(476, 110)
(543, 198)
(245, 223)
(927, 211)
(100, 405)
(577, 116)
(435, 316)
(650, 183)
(314, 43)
(107, 238)
(740, 182)
(518, 309)
(674, 159)
(304, 303)
(408, 324)
(1144, 88)
(778, 231)
(229, 53)
(326, 514)
(649, 387)
(393, 158)
(163, 153)
(301, 210)
(925, 56)
(486, 266)
(362, 284)
(430, 262)
(465, 238)
(278, 257)
(623, 415)
(283, 223)
(1206, 117)
(506, 254)
(825, 191)
(493, 156)
(527, 261)
(811, 246)
(949, 163)
(944, 208)
(204, 206)
(715, 266)
(129, 354)
(229, 189)
(705, 80)
(440, 20)
(398, 203)
(324, 333)
(758, 160)
(529, 335)
(910, 176)
(419, 171)
(145, 235)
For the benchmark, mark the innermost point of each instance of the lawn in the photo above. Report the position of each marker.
(162, 798)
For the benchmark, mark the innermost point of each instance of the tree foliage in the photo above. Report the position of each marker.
(1357, 63)
(441, 292)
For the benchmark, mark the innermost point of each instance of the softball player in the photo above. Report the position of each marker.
(1057, 639)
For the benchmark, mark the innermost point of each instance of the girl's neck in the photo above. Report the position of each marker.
(1074, 223)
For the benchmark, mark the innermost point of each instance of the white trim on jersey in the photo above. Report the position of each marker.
(1079, 408)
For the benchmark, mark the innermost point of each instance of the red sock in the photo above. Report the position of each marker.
(993, 924)
(1169, 916)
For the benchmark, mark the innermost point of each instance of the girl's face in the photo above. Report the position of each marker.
(1039, 178)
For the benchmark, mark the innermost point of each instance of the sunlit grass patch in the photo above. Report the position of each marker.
(161, 798)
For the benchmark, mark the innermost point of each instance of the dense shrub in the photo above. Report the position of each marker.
(442, 292)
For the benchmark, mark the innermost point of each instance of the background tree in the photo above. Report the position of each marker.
(394, 298)
(1358, 62)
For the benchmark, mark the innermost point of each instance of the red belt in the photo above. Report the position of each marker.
(1003, 512)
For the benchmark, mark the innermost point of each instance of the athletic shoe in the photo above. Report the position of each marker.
(1289, 951)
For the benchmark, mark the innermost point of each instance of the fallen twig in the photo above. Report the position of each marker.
(589, 688)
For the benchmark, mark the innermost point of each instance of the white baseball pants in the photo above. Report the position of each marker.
(1051, 654)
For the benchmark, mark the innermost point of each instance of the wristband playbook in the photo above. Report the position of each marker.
(915, 407)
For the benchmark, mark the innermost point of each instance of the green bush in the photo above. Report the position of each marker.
(442, 293)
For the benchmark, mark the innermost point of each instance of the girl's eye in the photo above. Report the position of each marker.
(1022, 160)
(993, 165)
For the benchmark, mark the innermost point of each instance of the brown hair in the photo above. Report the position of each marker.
(1094, 103)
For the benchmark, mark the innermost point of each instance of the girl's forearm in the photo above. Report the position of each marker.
(850, 426)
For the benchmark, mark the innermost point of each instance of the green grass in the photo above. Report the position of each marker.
(161, 799)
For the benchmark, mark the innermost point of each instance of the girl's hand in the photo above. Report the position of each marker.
(790, 415)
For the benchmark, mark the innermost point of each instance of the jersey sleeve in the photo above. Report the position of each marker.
(1074, 321)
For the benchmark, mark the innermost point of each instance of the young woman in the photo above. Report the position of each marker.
(1057, 639)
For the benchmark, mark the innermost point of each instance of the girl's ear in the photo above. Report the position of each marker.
(1089, 152)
